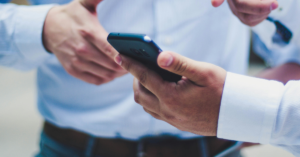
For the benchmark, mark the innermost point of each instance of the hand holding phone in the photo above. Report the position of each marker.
(143, 49)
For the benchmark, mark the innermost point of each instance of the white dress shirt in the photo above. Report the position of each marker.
(192, 28)
(263, 111)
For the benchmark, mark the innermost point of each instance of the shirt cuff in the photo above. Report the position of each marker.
(249, 108)
(29, 23)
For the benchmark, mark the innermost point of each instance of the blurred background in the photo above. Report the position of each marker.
(20, 122)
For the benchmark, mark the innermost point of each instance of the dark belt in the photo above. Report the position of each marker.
(161, 146)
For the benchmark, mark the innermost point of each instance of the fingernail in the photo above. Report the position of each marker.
(273, 6)
(118, 59)
(167, 60)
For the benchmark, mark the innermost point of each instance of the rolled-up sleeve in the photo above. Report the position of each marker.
(21, 27)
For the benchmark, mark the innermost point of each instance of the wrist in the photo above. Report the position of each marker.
(47, 25)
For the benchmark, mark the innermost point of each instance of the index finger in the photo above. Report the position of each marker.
(98, 38)
(148, 78)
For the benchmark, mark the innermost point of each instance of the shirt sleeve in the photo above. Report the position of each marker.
(260, 111)
(286, 132)
(21, 27)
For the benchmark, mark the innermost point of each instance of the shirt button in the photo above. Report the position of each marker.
(168, 41)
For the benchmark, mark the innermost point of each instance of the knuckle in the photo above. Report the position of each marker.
(70, 70)
(247, 17)
(241, 16)
(259, 10)
(145, 110)
(242, 19)
(108, 49)
(242, 5)
(76, 62)
(210, 73)
(127, 65)
(98, 81)
(137, 97)
(208, 76)
(181, 66)
(156, 116)
(82, 49)
(115, 66)
(86, 33)
(142, 77)
(168, 117)
(262, 9)
(110, 75)
(239, 5)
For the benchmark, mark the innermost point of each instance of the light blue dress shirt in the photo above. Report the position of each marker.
(192, 28)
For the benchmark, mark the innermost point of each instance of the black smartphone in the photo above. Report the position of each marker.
(143, 49)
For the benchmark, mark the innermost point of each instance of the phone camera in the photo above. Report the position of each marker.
(136, 52)
(144, 52)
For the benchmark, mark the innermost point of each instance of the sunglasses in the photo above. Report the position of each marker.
(283, 35)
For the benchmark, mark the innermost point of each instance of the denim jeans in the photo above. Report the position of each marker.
(52, 148)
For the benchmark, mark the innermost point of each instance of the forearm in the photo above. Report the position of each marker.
(282, 73)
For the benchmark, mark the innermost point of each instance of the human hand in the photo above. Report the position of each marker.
(192, 104)
(73, 33)
(250, 12)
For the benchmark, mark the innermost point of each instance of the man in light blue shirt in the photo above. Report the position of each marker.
(83, 119)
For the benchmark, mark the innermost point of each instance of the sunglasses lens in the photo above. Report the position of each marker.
(283, 35)
(284, 32)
